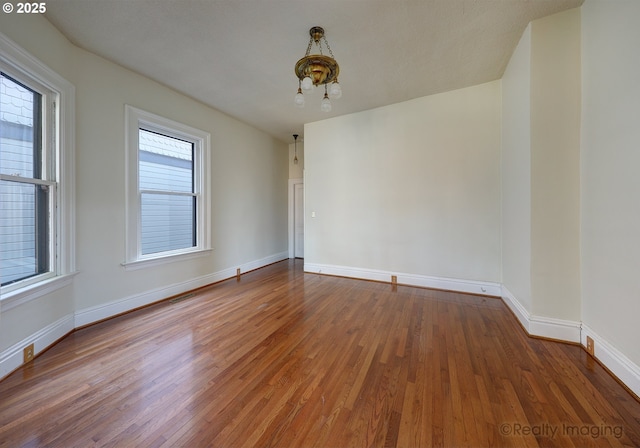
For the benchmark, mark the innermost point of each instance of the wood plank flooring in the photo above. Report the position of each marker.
(281, 358)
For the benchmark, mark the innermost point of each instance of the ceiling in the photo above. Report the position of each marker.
(238, 55)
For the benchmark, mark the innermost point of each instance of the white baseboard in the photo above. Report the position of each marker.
(257, 264)
(621, 366)
(424, 281)
(516, 307)
(551, 328)
(546, 327)
(12, 357)
(107, 310)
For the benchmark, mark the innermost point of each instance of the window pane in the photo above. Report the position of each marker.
(166, 163)
(24, 231)
(19, 129)
(168, 222)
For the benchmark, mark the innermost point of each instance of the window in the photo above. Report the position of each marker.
(36, 176)
(27, 186)
(167, 200)
(167, 197)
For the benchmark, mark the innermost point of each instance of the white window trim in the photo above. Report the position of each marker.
(134, 119)
(19, 63)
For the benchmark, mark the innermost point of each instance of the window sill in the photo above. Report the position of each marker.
(23, 295)
(150, 262)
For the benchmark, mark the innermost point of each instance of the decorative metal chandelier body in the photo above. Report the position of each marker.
(318, 69)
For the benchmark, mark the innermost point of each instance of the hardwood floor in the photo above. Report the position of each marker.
(287, 359)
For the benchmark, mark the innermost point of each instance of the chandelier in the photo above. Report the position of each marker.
(318, 69)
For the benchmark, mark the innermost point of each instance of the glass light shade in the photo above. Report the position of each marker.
(335, 91)
(307, 83)
(299, 99)
(325, 104)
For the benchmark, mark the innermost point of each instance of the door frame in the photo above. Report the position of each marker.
(292, 187)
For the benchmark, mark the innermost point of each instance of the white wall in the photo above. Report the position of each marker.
(296, 170)
(410, 188)
(555, 165)
(541, 178)
(610, 181)
(248, 177)
(249, 182)
(516, 173)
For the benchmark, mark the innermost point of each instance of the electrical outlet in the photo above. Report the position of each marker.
(590, 346)
(28, 353)
(394, 279)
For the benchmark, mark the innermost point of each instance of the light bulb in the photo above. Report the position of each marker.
(335, 91)
(299, 98)
(307, 83)
(325, 104)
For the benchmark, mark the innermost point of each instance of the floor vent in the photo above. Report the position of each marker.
(181, 298)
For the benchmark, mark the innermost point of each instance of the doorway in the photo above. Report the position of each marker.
(296, 218)
(298, 221)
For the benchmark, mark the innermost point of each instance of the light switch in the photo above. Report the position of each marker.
(313, 214)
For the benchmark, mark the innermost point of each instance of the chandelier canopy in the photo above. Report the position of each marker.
(318, 69)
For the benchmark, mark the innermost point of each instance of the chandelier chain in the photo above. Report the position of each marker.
(326, 42)
(309, 46)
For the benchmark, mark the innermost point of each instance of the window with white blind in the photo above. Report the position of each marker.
(36, 177)
(167, 200)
